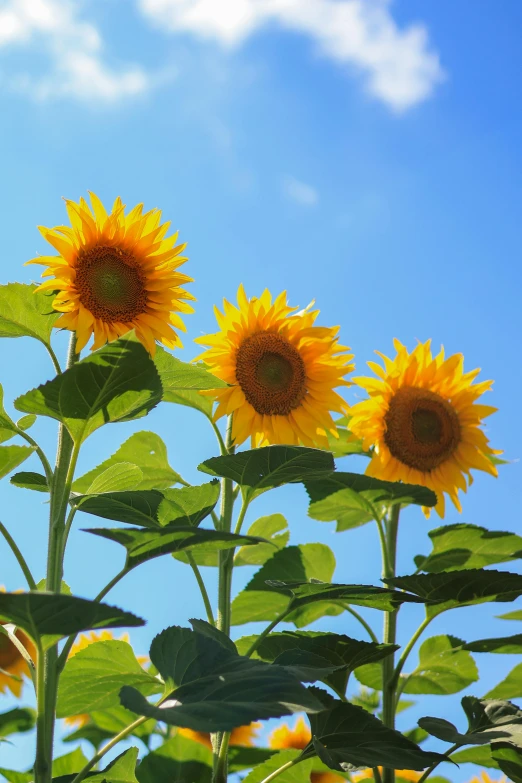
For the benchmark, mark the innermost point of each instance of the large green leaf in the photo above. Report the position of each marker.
(182, 376)
(24, 313)
(468, 546)
(345, 735)
(121, 770)
(310, 648)
(47, 614)
(261, 469)
(217, 688)
(297, 774)
(488, 720)
(509, 759)
(444, 667)
(119, 382)
(93, 677)
(510, 687)
(12, 456)
(260, 601)
(352, 499)
(153, 508)
(144, 449)
(16, 721)
(145, 544)
(178, 760)
(273, 528)
(511, 645)
(460, 588)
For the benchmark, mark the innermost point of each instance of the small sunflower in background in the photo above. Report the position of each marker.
(13, 666)
(282, 371)
(297, 738)
(400, 775)
(241, 737)
(114, 273)
(424, 423)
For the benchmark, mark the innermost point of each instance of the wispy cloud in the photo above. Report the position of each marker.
(73, 48)
(300, 192)
(398, 66)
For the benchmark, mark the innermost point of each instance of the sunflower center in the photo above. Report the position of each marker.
(422, 428)
(271, 374)
(8, 652)
(111, 284)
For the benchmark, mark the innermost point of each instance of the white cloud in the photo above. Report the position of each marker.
(300, 192)
(73, 47)
(398, 65)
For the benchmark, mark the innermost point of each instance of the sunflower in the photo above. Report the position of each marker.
(400, 774)
(282, 371)
(241, 737)
(285, 738)
(423, 420)
(485, 778)
(115, 273)
(13, 665)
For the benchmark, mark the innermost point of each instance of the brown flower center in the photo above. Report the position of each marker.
(271, 374)
(111, 284)
(422, 428)
(9, 654)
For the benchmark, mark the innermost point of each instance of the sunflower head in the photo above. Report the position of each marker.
(13, 666)
(282, 371)
(286, 738)
(241, 736)
(400, 774)
(116, 272)
(423, 421)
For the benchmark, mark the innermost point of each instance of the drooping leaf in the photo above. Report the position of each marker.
(340, 652)
(509, 759)
(121, 770)
(46, 614)
(93, 677)
(24, 313)
(352, 499)
(178, 760)
(273, 528)
(179, 376)
(16, 721)
(444, 667)
(298, 774)
(468, 546)
(460, 588)
(119, 382)
(29, 480)
(488, 720)
(145, 544)
(148, 452)
(12, 456)
(153, 508)
(261, 469)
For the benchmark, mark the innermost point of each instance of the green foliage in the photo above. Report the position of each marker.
(274, 529)
(16, 721)
(488, 720)
(258, 470)
(178, 760)
(297, 774)
(24, 313)
(516, 615)
(352, 499)
(476, 754)
(69, 763)
(16, 777)
(503, 645)
(50, 615)
(444, 667)
(12, 456)
(345, 444)
(29, 480)
(468, 546)
(179, 376)
(119, 382)
(510, 687)
(121, 770)
(93, 677)
(509, 759)
(148, 452)
(153, 508)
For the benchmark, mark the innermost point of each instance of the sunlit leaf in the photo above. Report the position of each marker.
(24, 313)
(121, 770)
(69, 763)
(444, 667)
(178, 760)
(488, 720)
(182, 376)
(509, 759)
(29, 480)
(12, 456)
(274, 528)
(468, 546)
(297, 774)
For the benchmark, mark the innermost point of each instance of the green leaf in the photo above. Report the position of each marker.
(119, 477)
(146, 544)
(240, 758)
(7, 425)
(148, 452)
(12, 456)
(178, 760)
(340, 652)
(115, 719)
(70, 763)
(295, 563)
(119, 382)
(273, 528)
(352, 499)
(93, 677)
(25, 313)
(444, 667)
(477, 754)
(153, 508)
(509, 759)
(16, 777)
(345, 735)
(516, 615)
(360, 595)
(460, 588)
(90, 733)
(261, 469)
(182, 376)
(30, 480)
(510, 687)
(16, 721)
(504, 645)
(345, 444)
(468, 546)
(298, 774)
(488, 720)
(47, 614)
(121, 770)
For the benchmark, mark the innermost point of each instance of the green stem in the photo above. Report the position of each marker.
(43, 764)
(202, 588)
(407, 650)
(255, 644)
(21, 560)
(279, 771)
(241, 517)
(54, 359)
(222, 447)
(43, 459)
(101, 753)
(390, 630)
(362, 621)
(220, 767)
(434, 766)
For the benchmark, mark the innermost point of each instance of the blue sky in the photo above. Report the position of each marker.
(363, 154)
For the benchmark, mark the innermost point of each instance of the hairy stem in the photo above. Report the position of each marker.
(390, 631)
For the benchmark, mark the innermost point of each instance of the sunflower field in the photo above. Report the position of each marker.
(207, 704)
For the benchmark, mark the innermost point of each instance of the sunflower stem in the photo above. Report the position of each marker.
(390, 630)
